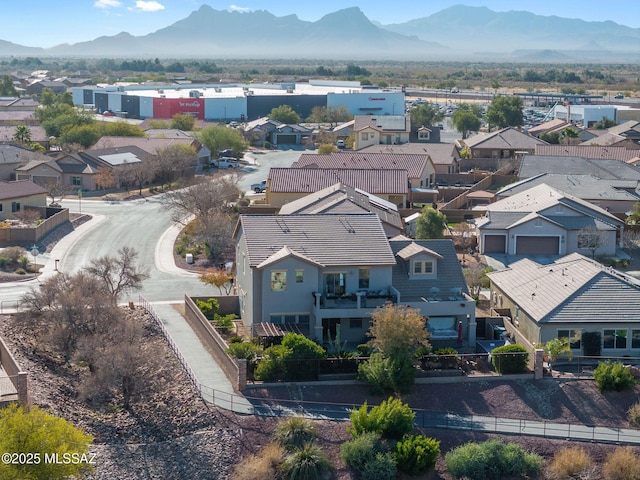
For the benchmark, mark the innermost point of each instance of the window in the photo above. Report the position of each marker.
(15, 207)
(334, 283)
(282, 318)
(615, 339)
(424, 134)
(278, 281)
(299, 276)
(574, 336)
(635, 338)
(355, 323)
(363, 278)
(422, 267)
(364, 136)
(76, 181)
(0, 207)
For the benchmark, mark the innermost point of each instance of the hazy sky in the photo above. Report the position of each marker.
(46, 23)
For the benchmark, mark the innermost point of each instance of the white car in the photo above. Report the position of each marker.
(340, 144)
(226, 162)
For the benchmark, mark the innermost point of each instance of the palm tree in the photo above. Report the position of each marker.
(22, 134)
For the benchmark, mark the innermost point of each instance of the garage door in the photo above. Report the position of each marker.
(495, 243)
(286, 139)
(537, 245)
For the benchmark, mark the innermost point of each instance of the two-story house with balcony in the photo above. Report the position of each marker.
(319, 272)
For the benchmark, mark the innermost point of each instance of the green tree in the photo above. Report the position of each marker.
(569, 135)
(183, 121)
(634, 217)
(121, 129)
(425, 115)
(327, 148)
(505, 111)
(467, 118)
(85, 135)
(397, 331)
(604, 123)
(332, 114)
(555, 348)
(294, 359)
(6, 87)
(219, 137)
(36, 432)
(431, 223)
(22, 134)
(284, 114)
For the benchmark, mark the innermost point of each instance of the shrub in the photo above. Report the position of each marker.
(263, 466)
(621, 464)
(491, 460)
(208, 307)
(3, 262)
(24, 262)
(224, 322)
(364, 350)
(612, 376)
(294, 432)
(445, 351)
(569, 463)
(294, 360)
(235, 339)
(391, 419)
(244, 350)
(12, 254)
(387, 375)
(306, 463)
(20, 271)
(510, 359)
(362, 449)
(633, 414)
(417, 454)
(381, 467)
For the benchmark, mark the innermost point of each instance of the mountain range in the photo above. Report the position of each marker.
(459, 32)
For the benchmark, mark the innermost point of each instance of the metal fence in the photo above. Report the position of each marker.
(424, 419)
(9, 306)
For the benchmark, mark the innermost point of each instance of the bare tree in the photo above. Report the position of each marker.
(105, 178)
(476, 277)
(143, 173)
(119, 367)
(590, 238)
(57, 191)
(27, 215)
(219, 278)
(68, 307)
(119, 275)
(174, 160)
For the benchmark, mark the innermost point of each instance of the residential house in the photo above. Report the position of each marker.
(38, 135)
(37, 87)
(344, 199)
(381, 129)
(344, 130)
(445, 156)
(15, 196)
(420, 168)
(501, 144)
(277, 133)
(13, 156)
(615, 196)
(545, 221)
(558, 126)
(317, 273)
(586, 151)
(285, 185)
(79, 170)
(604, 168)
(568, 298)
(152, 145)
(625, 135)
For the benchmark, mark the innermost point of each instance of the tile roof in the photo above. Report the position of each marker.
(571, 289)
(385, 123)
(586, 151)
(605, 139)
(414, 164)
(149, 145)
(625, 127)
(19, 188)
(309, 180)
(542, 197)
(533, 165)
(507, 138)
(586, 187)
(339, 198)
(548, 126)
(450, 279)
(331, 240)
(440, 153)
(38, 134)
(14, 154)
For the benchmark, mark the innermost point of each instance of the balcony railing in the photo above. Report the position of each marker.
(360, 299)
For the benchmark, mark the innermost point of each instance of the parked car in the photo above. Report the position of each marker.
(229, 153)
(259, 187)
(340, 144)
(226, 162)
(619, 96)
